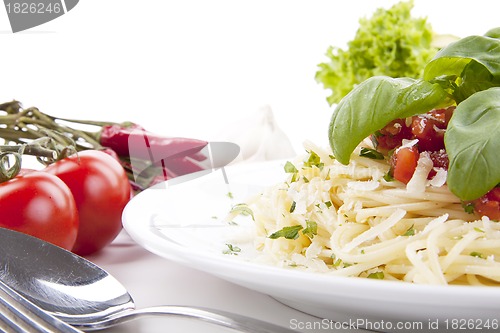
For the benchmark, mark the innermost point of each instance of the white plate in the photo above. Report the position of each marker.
(184, 223)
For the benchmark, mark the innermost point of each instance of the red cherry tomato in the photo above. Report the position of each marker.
(403, 163)
(40, 205)
(101, 190)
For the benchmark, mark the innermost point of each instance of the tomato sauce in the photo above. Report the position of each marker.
(429, 129)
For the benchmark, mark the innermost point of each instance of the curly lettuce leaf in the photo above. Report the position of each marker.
(390, 43)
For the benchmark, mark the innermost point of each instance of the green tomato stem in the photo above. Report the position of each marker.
(9, 170)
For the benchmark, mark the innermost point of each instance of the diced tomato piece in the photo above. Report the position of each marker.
(429, 137)
(403, 163)
(429, 128)
(486, 207)
(489, 204)
(391, 136)
(494, 194)
(439, 159)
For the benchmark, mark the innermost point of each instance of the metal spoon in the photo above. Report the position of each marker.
(84, 295)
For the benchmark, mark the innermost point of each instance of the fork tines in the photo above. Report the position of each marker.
(17, 314)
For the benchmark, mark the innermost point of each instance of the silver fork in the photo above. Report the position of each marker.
(19, 315)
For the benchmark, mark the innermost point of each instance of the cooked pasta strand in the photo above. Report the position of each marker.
(365, 224)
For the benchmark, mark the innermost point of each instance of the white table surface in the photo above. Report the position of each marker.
(152, 280)
(188, 68)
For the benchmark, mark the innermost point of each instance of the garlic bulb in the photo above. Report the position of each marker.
(259, 137)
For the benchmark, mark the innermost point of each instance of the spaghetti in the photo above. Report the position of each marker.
(348, 220)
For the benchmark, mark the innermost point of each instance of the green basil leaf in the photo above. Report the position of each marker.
(475, 77)
(376, 102)
(453, 59)
(472, 140)
(471, 64)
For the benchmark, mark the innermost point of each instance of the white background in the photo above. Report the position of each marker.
(190, 67)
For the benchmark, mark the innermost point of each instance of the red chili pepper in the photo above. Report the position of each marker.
(182, 165)
(116, 137)
(150, 158)
(133, 141)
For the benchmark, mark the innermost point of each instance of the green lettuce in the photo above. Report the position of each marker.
(391, 43)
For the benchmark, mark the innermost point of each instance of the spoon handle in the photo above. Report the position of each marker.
(218, 317)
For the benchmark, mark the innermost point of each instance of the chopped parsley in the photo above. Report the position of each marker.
(290, 168)
(388, 177)
(371, 153)
(478, 255)
(311, 230)
(292, 207)
(314, 160)
(410, 231)
(376, 275)
(243, 209)
(232, 250)
(468, 207)
(291, 232)
(337, 263)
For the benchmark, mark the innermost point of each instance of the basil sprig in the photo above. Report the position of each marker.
(471, 64)
(376, 102)
(466, 73)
